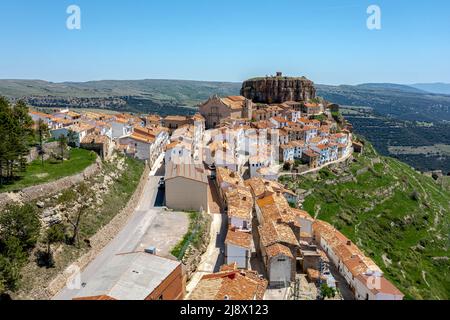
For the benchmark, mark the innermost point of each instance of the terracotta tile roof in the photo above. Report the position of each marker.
(272, 232)
(62, 121)
(278, 249)
(286, 146)
(310, 153)
(231, 285)
(239, 238)
(121, 120)
(234, 102)
(322, 146)
(176, 118)
(275, 207)
(81, 127)
(302, 214)
(172, 145)
(350, 255)
(40, 114)
(261, 187)
(240, 203)
(228, 177)
(142, 138)
(385, 286)
(279, 119)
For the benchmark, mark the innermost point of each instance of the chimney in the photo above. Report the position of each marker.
(349, 243)
(279, 74)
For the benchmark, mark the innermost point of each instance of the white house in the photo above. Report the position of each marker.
(239, 208)
(178, 152)
(372, 287)
(142, 145)
(280, 265)
(121, 128)
(287, 152)
(258, 162)
(76, 132)
(279, 122)
(238, 246)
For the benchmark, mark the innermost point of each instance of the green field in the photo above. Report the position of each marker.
(397, 216)
(51, 170)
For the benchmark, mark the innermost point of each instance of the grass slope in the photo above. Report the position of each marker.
(52, 170)
(398, 217)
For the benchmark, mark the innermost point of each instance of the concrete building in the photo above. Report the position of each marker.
(137, 276)
(186, 187)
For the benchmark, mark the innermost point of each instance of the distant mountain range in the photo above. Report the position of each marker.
(439, 87)
(398, 115)
(169, 96)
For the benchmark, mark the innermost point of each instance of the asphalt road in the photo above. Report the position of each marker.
(133, 237)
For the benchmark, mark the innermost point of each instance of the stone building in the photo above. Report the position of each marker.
(217, 109)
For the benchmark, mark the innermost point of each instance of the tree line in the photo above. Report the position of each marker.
(16, 137)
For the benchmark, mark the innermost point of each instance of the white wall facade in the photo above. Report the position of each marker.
(237, 254)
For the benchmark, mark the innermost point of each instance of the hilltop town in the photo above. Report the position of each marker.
(224, 163)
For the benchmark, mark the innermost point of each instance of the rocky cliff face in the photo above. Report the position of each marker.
(278, 89)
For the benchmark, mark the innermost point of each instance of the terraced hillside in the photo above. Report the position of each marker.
(398, 216)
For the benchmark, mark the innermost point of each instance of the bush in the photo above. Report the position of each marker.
(21, 222)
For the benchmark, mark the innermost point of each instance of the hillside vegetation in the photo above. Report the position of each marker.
(398, 216)
(136, 94)
(38, 173)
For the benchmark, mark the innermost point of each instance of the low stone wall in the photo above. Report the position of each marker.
(48, 148)
(193, 256)
(100, 239)
(35, 192)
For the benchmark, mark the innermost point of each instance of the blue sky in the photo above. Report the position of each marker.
(325, 40)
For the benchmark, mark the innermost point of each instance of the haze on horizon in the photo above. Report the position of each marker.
(325, 41)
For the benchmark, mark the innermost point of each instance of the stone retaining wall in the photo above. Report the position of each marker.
(193, 256)
(100, 239)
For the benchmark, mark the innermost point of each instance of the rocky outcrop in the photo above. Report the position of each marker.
(278, 89)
